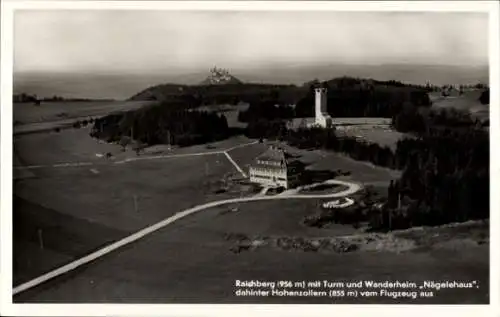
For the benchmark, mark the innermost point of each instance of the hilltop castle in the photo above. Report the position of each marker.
(220, 76)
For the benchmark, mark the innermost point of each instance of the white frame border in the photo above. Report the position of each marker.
(8, 308)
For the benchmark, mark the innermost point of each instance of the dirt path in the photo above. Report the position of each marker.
(351, 189)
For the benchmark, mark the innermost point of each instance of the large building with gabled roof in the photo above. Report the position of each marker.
(272, 168)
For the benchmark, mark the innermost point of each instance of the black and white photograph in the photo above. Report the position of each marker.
(250, 155)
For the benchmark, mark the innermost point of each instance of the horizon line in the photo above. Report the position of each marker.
(207, 69)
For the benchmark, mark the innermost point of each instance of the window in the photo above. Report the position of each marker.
(262, 177)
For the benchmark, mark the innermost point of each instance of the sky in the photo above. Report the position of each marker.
(107, 41)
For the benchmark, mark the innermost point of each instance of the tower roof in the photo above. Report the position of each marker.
(319, 84)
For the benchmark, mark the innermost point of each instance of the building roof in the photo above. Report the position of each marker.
(270, 158)
(273, 154)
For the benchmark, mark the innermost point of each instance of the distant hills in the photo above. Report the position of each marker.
(347, 96)
(217, 94)
(95, 85)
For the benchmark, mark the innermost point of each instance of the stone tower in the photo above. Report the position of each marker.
(323, 119)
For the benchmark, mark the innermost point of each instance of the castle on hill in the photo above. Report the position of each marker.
(220, 76)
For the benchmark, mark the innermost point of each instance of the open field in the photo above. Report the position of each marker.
(60, 200)
(105, 195)
(322, 189)
(227, 144)
(246, 155)
(63, 238)
(267, 218)
(75, 145)
(469, 101)
(30, 119)
(71, 145)
(99, 195)
(192, 262)
(382, 137)
(53, 111)
(361, 172)
(82, 208)
(230, 112)
(373, 130)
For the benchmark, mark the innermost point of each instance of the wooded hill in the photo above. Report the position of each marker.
(172, 114)
(163, 124)
(347, 97)
(222, 94)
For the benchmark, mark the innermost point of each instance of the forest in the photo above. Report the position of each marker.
(346, 97)
(266, 110)
(445, 168)
(353, 97)
(163, 124)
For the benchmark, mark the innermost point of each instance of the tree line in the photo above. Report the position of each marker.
(485, 97)
(24, 98)
(426, 121)
(267, 110)
(352, 97)
(346, 97)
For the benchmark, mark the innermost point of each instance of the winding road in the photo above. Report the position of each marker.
(351, 189)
